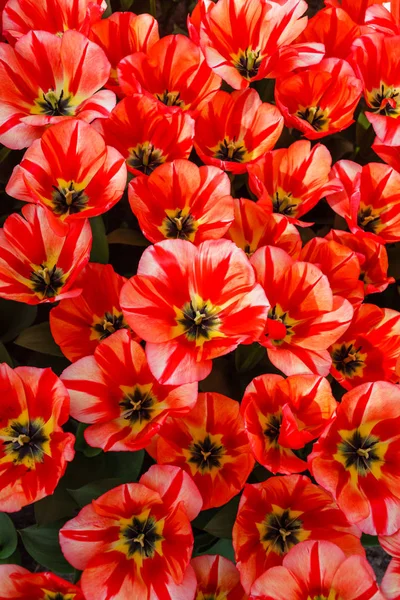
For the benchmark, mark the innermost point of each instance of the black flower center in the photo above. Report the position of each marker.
(347, 360)
(386, 101)
(207, 454)
(284, 204)
(137, 407)
(368, 220)
(199, 322)
(179, 226)
(231, 150)
(315, 116)
(141, 537)
(54, 105)
(248, 63)
(273, 427)
(171, 98)
(68, 200)
(145, 158)
(25, 440)
(281, 532)
(47, 282)
(111, 323)
(360, 451)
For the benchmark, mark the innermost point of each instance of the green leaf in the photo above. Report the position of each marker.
(126, 4)
(204, 517)
(108, 10)
(4, 152)
(8, 536)
(100, 251)
(58, 506)
(121, 467)
(224, 548)
(127, 237)
(363, 122)
(153, 8)
(91, 491)
(39, 339)
(42, 543)
(4, 356)
(14, 318)
(221, 525)
(14, 559)
(248, 357)
(203, 541)
(369, 540)
(81, 444)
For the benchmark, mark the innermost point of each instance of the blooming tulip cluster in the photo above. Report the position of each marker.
(199, 317)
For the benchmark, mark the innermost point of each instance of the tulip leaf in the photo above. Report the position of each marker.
(57, 506)
(126, 4)
(127, 237)
(224, 548)
(8, 536)
(4, 356)
(248, 357)
(92, 491)
(39, 338)
(100, 252)
(369, 540)
(42, 543)
(81, 444)
(108, 10)
(222, 523)
(14, 559)
(14, 318)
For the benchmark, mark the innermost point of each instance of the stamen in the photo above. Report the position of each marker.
(178, 221)
(364, 452)
(198, 317)
(284, 534)
(22, 439)
(139, 539)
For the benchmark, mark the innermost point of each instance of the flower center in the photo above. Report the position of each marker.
(248, 63)
(348, 360)
(273, 426)
(137, 407)
(361, 451)
(47, 282)
(199, 322)
(281, 530)
(23, 441)
(54, 105)
(68, 199)
(170, 99)
(142, 536)
(206, 454)
(231, 150)
(385, 101)
(178, 225)
(145, 158)
(110, 324)
(314, 115)
(368, 220)
(284, 204)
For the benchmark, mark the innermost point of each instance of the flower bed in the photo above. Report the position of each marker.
(199, 301)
